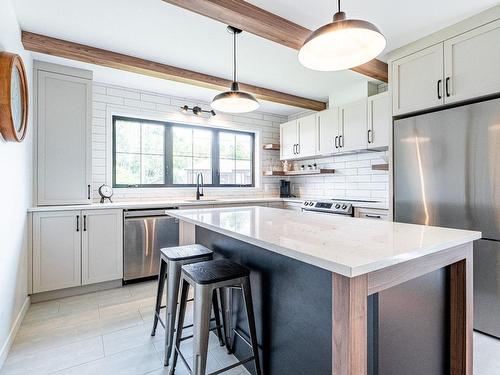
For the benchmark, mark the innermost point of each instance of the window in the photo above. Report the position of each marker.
(160, 154)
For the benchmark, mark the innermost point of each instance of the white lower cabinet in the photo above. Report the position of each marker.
(73, 248)
(56, 250)
(102, 246)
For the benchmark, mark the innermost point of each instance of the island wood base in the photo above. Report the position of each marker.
(350, 312)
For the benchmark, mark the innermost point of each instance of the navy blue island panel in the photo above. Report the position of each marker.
(293, 310)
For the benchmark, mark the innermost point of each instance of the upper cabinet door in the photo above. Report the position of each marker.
(63, 116)
(56, 250)
(289, 141)
(102, 250)
(328, 130)
(379, 121)
(353, 119)
(472, 63)
(417, 81)
(307, 136)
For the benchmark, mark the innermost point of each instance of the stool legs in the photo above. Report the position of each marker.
(180, 322)
(247, 295)
(173, 283)
(201, 327)
(225, 295)
(159, 293)
(215, 304)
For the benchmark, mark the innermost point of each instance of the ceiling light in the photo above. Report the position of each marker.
(197, 110)
(342, 44)
(234, 100)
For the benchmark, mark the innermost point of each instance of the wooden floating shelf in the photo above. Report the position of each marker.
(271, 146)
(300, 173)
(380, 167)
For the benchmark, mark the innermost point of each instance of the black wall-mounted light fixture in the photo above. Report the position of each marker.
(197, 110)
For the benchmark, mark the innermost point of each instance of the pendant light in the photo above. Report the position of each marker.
(342, 44)
(234, 100)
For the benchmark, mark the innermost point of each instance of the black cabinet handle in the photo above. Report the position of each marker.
(369, 132)
(84, 223)
(341, 141)
(439, 89)
(78, 223)
(446, 84)
(298, 148)
(295, 149)
(336, 141)
(373, 216)
(88, 191)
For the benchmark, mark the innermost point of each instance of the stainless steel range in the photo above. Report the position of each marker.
(329, 206)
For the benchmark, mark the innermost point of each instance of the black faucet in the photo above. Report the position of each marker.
(199, 184)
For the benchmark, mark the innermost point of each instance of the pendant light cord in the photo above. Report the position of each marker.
(338, 5)
(234, 56)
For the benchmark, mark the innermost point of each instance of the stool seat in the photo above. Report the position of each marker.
(185, 252)
(214, 271)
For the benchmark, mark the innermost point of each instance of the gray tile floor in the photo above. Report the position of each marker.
(109, 333)
(106, 332)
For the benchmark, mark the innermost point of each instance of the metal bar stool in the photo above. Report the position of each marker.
(207, 278)
(171, 261)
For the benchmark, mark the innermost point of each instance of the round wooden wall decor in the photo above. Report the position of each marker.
(13, 97)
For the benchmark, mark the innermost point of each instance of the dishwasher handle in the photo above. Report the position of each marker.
(147, 213)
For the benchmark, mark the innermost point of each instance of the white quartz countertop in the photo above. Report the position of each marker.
(344, 245)
(151, 204)
(145, 204)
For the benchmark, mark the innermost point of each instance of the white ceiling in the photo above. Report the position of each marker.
(154, 30)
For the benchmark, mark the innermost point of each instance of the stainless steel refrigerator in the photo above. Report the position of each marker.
(447, 173)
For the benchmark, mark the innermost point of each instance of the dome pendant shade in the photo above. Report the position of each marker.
(342, 44)
(234, 100)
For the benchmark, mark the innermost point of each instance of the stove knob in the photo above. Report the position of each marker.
(337, 206)
(344, 206)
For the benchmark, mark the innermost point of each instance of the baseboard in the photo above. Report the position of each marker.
(75, 291)
(4, 352)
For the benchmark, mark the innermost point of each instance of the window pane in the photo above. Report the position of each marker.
(227, 175)
(243, 147)
(226, 145)
(243, 172)
(183, 170)
(128, 136)
(152, 138)
(153, 171)
(202, 143)
(128, 169)
(203, 166)
(182, 141)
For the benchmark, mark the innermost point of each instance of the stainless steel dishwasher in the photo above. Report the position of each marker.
(145, 233)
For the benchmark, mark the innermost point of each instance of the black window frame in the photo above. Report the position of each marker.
(168, 157)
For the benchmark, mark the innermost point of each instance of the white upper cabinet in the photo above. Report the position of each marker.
(307, 143)
(472, 63)
(289, 140)
(328, 130)
(417, 81)
(379, 121)
(353, 126)
(63, 117)
(102, 246)
(56, 250)
(457, 69)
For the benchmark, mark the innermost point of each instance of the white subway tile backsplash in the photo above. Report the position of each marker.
(123, 93)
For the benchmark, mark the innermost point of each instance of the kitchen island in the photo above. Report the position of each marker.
(340, 295)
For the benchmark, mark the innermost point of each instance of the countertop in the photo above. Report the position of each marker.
(150, 204)
(344, 245)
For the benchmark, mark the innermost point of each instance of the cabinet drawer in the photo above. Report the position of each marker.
(371, 213)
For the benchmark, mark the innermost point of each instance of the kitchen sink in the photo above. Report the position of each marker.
(200, 200)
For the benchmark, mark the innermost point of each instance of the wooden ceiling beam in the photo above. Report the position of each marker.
(80, 52)
(260, 22)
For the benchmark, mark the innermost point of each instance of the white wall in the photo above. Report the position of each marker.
(15, 197)
(111, 100)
